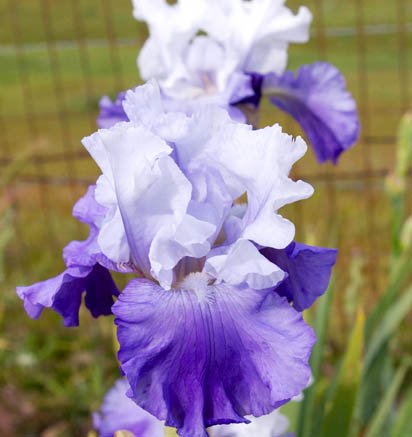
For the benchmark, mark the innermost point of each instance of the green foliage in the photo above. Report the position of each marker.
(396, 181)
(377, 424)
(366, 396)
(311, 402)
(404, 149)
(403, 423)
(341, 402)
(6, 234)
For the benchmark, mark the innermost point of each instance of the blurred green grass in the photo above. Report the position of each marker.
(53, 377)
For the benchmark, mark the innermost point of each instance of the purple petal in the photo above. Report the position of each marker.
(111, 112)
(63, 293)
(88, 252)
(210, 356)
(309, 269)
(318, 99)
(87, 210)
(254, 97)
(120, 413)
(100, 289)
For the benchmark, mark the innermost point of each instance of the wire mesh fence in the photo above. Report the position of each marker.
(59, 58)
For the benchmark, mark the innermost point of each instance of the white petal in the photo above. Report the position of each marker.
(258, 162)
(95, 147)
(243, 263)
(112, 237)
(274, 424)
(133, 153)
(171, 245)
(144, 103)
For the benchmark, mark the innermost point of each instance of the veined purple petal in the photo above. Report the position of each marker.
(319, 100)
(86, 272)
(63, 293)
(120, 413)
(206, 355)
(309, 269)
(111, 112)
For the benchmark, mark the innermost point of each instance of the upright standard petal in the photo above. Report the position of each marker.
(204, 354)
(309, 269)
(152, 196)
(171, 28)
(256, 33)
(258, 163)
(238, 37)
(120, 413)
(276, 27)
(318, 99)
(111, 112)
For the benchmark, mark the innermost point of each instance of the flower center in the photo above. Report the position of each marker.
(185, 267)
(197, 282)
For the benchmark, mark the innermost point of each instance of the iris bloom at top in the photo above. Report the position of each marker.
(239, 37)
(207, 334)
(232, 53)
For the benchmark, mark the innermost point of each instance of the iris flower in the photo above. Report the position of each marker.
(231, 53)
(210, 328)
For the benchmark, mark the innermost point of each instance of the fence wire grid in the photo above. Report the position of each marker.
(58, 58)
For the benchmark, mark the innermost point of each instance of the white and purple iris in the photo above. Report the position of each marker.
(231, 53)
(210, 330)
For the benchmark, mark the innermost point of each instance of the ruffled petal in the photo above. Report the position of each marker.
(152, 212)
(144, 104)
(120, 413)
(242, 263)
(125, 154)
(309, 269)
(258, 163)
(258, 31)
(171, 28)
(275, 28)
(64, 293)
(210, 355)
(147, 106)
(318, 99)
(111, 112)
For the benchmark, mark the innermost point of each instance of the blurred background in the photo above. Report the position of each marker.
(57, 58)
